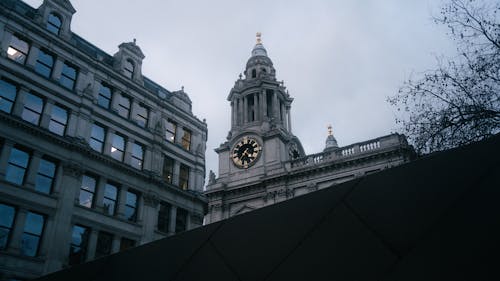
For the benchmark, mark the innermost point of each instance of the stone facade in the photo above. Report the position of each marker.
(94, 156)
(276, 168)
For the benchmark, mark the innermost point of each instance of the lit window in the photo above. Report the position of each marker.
(109, 201)
(168, 169)
(18, 49)
(8, 93)
(33, 107)
(124, 106)
(68, 76)
(142, 115)
(170, 131)
(137, 156)
(117, 147)
(7, 215)
(79, 241)
(104, 241)
(181, 220)
(186, 139)
(44, 64)
(129, 68)
(45, 176)
(104, 97)
(54, 23)
(17, 166)
(58, 120)
(97, 137)
(87, 191)
(131, 206)
(33, 230)
(163, 217)
(184, 177)
(126, 243)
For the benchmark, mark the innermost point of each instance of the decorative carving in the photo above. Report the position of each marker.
(72, 169)
(211, 177)
(312, 187)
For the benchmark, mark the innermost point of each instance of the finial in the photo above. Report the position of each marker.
(135, 41)
(240, 76)
(259, 37)
(330, 130)
(182, 88)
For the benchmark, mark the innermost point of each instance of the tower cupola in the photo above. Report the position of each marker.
(259, 65)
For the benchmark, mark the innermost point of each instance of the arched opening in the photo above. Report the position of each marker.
(54, 23)
(254, 73)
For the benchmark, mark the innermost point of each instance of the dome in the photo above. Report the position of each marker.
(259, 61)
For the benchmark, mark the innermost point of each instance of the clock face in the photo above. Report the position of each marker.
(246, 152)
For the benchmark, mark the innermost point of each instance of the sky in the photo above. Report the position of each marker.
(340, 60)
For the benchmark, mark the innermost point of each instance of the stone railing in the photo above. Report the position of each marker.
(353, 150)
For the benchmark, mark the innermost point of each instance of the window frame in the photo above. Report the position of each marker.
(6, 227)
(179, 218)
(103, 251)
(120, 151)
(129, 68)
(65, 77)
(94, 139)
(56, 29)
(137, 161)
(92, 192)
(163, 220)
(170, 134)
(168, 176)
(39, 63)
(107, 199)
(57, 122)
(82, 246)
(6, 97)
(184, 181)
(41, 174)
(141, 120)
(10, 164)
(14, 46)
(135, 207)
(39, 236)
(103, 96)
(186, 139)
(32, 110)
(123, 108)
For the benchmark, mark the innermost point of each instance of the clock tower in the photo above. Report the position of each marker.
(260, 140)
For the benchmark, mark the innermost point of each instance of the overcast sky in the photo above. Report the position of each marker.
(340, 60)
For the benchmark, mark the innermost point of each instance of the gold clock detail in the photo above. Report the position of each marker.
(246, 152)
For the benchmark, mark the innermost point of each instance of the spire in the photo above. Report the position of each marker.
(259, 38)
(259, 49)
(331, 142)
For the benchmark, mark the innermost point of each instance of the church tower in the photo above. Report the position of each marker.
(260, 140)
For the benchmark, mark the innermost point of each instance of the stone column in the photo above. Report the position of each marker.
(147, 164)
(46, 245)
(4, 157)
(240, 111)
(99, 194)
(264, 104)
(121, 201)
(17, 232)
(46, 114)
(115, 245)
(108, 141)
(289, 115)
(233, 115)
(115, 100)
(150, 216)
(71, 128)
(256, 106)
(5, 42)
(177, 169)
(127, 157)
(32, 56)
(18, 108)
(275, 108)
(171, 222)
(34, 165)
(92, 244)
(56, 70)
(83, 127)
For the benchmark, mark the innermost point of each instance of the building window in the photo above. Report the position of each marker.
(186, 139)
(45, 176)
(58, 120)
(79, 242)
(54, 23)
(104, 241)
(44, 64)
(129, 69)
(109, 201)
(117, 147)
(131, 206)
(126, 243)
(124, 106)
(137, 156)
(170, 131)
(181, 220)
(104, 97)
(163, 217)
(87, 191)
(142, 115)
(184, 177)
(8, 93)
(18, 49)
(168, 169)
(68, 76)
(17, 166)
(97, 137)
(33, 230)
(7, 215)
(33, 107)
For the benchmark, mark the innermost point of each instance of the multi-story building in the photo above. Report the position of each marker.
(262, 162)
(94, 156)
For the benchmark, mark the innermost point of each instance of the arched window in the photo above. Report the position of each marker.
(129, 68)
(254, 73)
(263, 70)
(54, 23)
